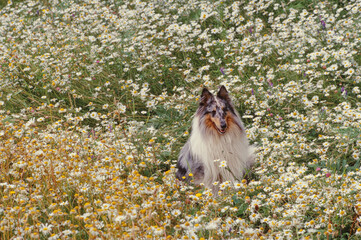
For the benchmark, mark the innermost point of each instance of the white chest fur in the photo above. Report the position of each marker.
(212, 148)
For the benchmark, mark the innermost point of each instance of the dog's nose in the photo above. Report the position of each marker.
(223, 125)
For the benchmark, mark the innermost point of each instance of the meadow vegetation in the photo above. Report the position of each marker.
(97, 98)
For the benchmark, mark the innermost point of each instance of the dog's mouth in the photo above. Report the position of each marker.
(221, 131)
(212, 124)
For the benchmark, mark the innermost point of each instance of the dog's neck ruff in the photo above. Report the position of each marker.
(211, 148)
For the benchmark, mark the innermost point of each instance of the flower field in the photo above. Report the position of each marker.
(97, 99)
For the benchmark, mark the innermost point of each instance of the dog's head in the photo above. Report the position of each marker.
(217, 112)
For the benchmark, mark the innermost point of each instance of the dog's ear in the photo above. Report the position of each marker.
(223, 94)
(206, 95)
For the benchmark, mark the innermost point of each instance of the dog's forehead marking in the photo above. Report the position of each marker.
(219, 102)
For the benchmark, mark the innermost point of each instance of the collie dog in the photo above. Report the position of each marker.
(217, 137)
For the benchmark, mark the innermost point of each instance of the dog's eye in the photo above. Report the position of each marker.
(213, 112)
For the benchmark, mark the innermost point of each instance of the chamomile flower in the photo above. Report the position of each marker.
(46, 228)
(223, 164)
